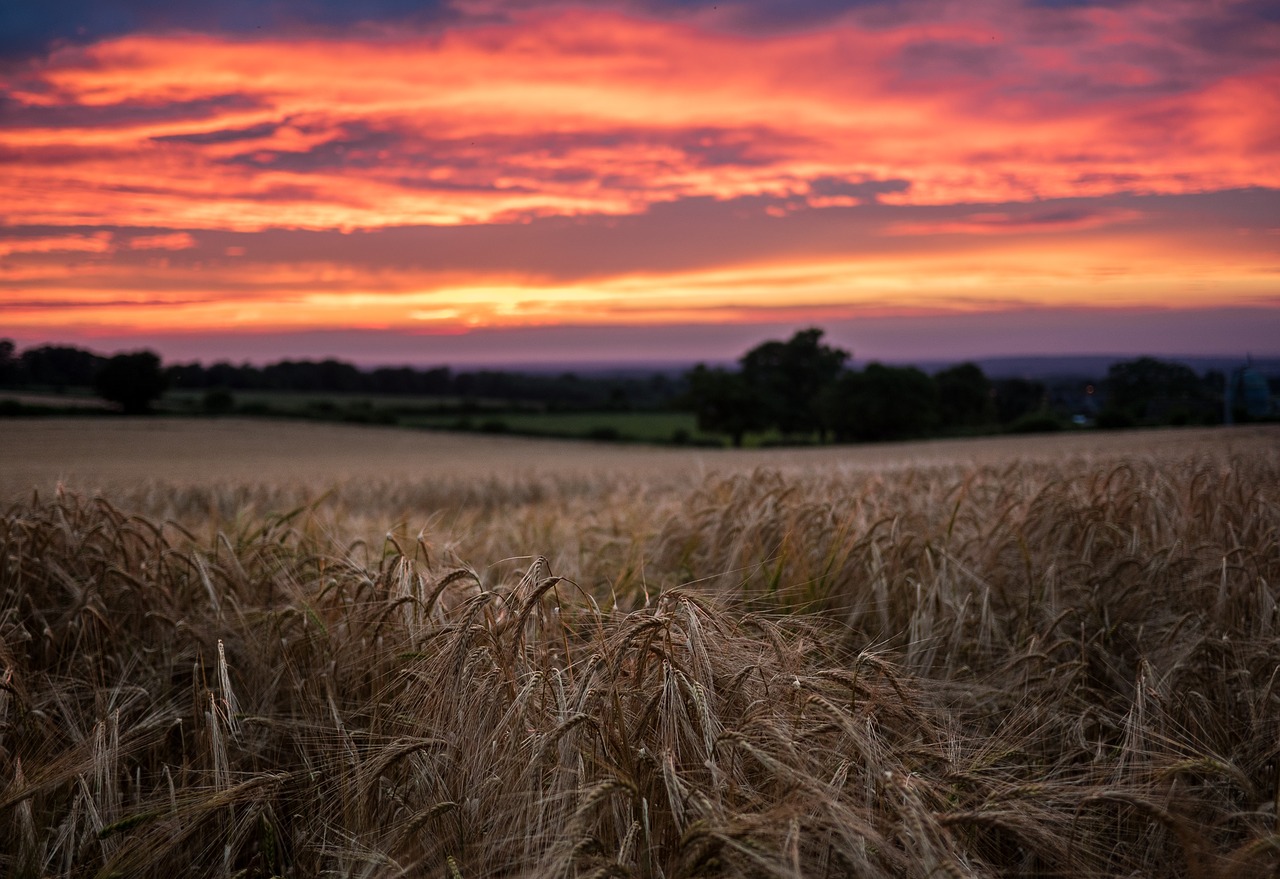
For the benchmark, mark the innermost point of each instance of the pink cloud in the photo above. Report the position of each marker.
(165, 241)
(96, 242)
(892, 159)
(562, 112)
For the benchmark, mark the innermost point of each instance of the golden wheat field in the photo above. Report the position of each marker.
(266, 649)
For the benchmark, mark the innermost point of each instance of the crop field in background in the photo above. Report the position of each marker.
(657, 427)
(301, 402)
(456, 413)
(277, 649)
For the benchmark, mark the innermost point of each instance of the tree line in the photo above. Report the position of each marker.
(141, 374)
(801, 389)
(804, 390)
(132, 381)
(562, 389)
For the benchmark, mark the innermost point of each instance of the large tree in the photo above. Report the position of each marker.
(788, 379)
(1017, 397)
(882, 403)
(132, 381)
(724, 403)
(1147, 389)
(9, 363)
(60, 366)
(965, 398)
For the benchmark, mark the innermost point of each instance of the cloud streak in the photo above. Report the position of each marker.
(1035, 222)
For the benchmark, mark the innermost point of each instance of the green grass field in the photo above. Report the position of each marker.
(660, 427)
(447, 413)
(304, 402)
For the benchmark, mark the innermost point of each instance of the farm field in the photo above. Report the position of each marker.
(51, 400)
(130, 454)
(656, 427)
(301, 402)
(269, 648)
(456, 413)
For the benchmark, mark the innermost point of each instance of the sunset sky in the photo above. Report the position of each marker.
(514, 182)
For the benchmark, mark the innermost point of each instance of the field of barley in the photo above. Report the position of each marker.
(268, 649)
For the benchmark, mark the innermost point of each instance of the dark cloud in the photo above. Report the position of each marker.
(225, 135)
(275, 192)
(685, 234)
(52, 156)
(1176, 58)
(351, 146)
(934, 60)
(1112, 180)
(754, 146)
(82, 304)
(32, 28)
(15, 114)
(862, 190)
(1249, 29)
(1078, 4)
(770, 15)
(1021, 219)
(1062, 216)
(355, 145)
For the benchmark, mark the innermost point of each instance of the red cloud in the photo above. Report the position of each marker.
(972, 116)
(573, 112)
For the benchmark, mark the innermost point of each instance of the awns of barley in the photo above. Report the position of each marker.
(1020, 671)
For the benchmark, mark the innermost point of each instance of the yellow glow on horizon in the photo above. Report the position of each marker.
(999, 279)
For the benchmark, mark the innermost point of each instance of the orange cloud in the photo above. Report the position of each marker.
(572, 112)
(977, 160)
(97, 242)
(1105, 273)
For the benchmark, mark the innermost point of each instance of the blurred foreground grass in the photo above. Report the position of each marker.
(1033, 667)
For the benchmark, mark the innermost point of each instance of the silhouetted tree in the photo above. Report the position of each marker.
(404, 380)
(9, 364)
(882, 403)
(132, 381)
(1154, 390)
(964, 396)
(245, 377)
(332, 376)
(186, 376)
(787, 380)
(723, 403)
(1016, 397)
(60, 366)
